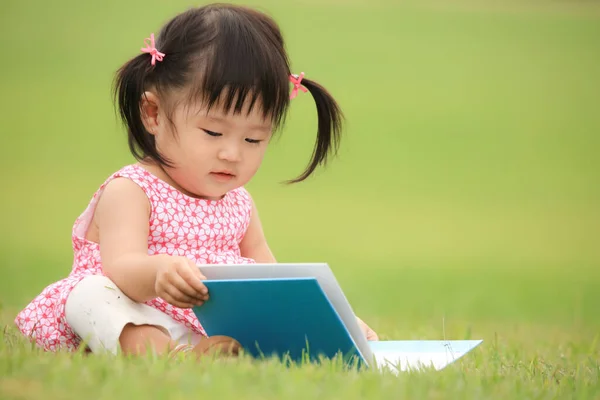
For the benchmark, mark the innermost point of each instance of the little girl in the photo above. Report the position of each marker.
(200, 103)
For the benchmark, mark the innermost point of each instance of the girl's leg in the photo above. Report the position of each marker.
(106, 319)
(139, 339)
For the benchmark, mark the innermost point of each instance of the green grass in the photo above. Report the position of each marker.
(464, 202)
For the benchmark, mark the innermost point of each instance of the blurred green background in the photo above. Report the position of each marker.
(465, 200)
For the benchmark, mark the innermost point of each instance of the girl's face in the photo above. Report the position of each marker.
(212, 153)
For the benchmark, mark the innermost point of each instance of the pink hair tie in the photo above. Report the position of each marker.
(151, 49)
(295, 79)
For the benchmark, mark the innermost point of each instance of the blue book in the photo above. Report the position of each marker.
(289, 318)
(298, 312)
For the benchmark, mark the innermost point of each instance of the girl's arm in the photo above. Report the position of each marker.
(122, 216)
(254, 244)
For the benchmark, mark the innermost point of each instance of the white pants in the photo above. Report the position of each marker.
(97, 311)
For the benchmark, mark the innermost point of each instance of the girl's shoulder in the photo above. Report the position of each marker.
(240, 194)
(156, 188)
(134, 172)
(151, 184)
(159, 191)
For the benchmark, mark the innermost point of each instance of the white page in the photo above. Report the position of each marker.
(320, 271)
(396, 361)
(396, 356)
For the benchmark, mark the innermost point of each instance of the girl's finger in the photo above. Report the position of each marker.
(189, 274)
(179, 282)
(179, 296)
(176, 303)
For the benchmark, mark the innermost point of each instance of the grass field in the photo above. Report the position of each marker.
(465, 201)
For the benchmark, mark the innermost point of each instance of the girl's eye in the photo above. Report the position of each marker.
(211, 133)
(254, 141)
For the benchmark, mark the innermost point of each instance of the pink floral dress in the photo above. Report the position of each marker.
(205, 231)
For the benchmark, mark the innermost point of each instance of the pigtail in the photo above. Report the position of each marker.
(329, 126)
(131, 81)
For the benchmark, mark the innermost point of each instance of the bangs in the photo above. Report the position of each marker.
(244, 66)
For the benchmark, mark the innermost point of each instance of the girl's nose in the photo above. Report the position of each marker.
(230, 153)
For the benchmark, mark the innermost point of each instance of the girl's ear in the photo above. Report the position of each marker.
(149, 107)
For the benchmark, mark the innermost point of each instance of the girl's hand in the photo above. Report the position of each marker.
(368, 332)
(179, 282)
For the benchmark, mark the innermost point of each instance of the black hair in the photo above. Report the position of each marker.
(225, 54)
